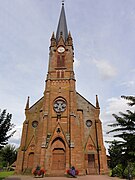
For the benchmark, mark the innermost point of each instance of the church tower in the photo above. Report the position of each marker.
(62, 129)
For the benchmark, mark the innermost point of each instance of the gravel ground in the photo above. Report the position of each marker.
(88, 177)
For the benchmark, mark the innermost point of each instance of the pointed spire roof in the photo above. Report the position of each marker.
(53, 36)
(62, 26)
(97, 103)
(27, 104)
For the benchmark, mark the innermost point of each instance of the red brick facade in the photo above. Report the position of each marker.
(62, 129)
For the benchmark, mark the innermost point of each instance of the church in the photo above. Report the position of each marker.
(62, 129)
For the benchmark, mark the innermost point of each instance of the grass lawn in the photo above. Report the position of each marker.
(5, 174)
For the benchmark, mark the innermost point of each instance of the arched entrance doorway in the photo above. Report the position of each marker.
(30, 160)
(58, 165)
(58, 159)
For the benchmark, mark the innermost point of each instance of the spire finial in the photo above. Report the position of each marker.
(27, 104)
(63, 2)
(97, 103)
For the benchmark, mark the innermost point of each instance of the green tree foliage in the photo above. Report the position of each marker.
(115, 154)
(131, 100)
(5, 127)
(123, 150)
(8, 154)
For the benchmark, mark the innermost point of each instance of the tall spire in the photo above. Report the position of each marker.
(62, 26)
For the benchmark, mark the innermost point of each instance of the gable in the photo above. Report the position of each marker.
(84, 104)
(37, 105)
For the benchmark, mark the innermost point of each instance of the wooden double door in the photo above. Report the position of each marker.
(91, 164)
(58, 159)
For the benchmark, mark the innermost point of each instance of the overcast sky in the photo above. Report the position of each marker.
(103, 33)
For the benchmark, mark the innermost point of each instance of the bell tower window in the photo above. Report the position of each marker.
(60, 61)
(60, 74)
(63, 60)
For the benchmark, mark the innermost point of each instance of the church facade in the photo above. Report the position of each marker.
(62, 129)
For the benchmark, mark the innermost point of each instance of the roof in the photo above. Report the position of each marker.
(85, 100)
(36, 103)
(62, 26)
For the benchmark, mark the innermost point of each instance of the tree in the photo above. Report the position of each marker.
(115, 153)
(5, 127)
(8, 154)
(124, 129)
(131, 99)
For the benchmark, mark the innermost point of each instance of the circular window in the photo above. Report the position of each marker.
(34, 124)
(88, 123)
(59, 106)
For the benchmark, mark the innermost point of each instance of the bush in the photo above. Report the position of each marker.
(117, 171)
(130, 169)
(122, 172)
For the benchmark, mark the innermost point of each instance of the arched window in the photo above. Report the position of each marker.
(63, 61)
(60, 61)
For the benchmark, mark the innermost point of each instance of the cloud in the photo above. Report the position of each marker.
(128, 83)
(15, 139)
(130, 79)
(106, 70)
(114, 106)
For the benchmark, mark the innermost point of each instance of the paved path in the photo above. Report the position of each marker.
(88, 177)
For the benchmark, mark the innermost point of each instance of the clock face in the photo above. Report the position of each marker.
(61, 49)
(59, 106)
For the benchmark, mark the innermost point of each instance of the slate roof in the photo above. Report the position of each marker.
(62, 26)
